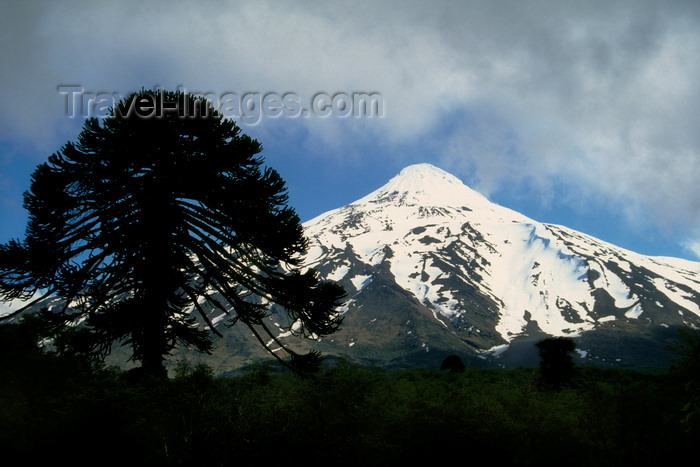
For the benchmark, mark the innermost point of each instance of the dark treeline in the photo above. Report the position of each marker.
(56, 408)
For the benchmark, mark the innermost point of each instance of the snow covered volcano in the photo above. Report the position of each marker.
(432, 268)
(472, 277)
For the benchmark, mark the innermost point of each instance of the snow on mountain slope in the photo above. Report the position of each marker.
(489, 270)
(434, 268)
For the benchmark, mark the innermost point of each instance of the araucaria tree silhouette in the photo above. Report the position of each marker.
(160, 213)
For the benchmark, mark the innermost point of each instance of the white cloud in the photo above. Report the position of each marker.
(601, 96)
(694, 247)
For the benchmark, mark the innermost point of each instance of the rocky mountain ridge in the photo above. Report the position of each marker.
(488, 277)
(432, 268)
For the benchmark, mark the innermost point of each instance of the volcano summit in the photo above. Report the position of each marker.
(432, 267)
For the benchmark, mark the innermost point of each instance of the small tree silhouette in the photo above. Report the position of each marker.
(686, 365)
(556, 362)
(687, 350)
(452, 363)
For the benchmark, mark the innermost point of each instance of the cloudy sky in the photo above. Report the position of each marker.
(577, 113)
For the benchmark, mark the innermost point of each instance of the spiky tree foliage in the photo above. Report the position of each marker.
(160, 209)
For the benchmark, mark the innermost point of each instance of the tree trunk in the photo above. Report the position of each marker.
(152, 343)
